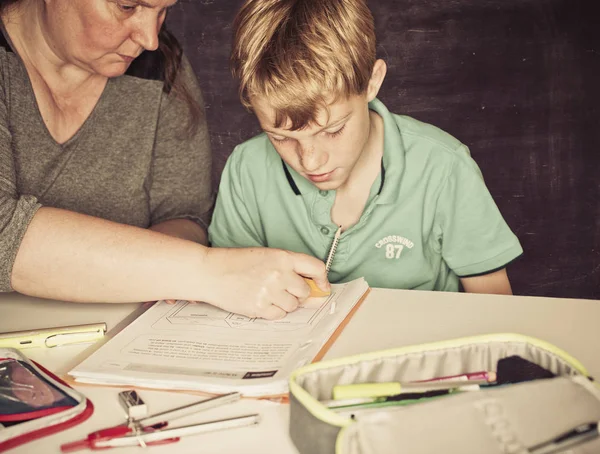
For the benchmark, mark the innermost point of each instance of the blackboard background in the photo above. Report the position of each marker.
(515, 80)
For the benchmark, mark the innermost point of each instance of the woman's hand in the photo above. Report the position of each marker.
(262, 282)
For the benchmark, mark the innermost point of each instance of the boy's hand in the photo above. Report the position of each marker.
(262, 282)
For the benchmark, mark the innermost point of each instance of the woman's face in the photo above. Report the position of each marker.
(104, 36)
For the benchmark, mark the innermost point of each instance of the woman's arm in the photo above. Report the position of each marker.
(74, 257)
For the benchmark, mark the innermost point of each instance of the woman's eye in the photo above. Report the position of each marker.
(126, 7)
(335, 133)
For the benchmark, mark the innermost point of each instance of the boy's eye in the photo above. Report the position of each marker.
(279, 139)
(335, 133)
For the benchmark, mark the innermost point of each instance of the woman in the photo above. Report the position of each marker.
(104, 166)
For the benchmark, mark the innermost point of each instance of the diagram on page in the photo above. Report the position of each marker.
(186, 315)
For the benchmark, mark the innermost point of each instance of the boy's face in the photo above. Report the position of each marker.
(325, 153)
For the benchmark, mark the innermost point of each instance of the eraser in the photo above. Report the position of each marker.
(134, 406)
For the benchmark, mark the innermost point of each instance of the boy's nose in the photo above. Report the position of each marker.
(310, 158)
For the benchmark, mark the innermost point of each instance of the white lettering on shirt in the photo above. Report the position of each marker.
(394, 245)
(394, 239)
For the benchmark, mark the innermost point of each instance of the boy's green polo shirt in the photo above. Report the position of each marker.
(428, 220)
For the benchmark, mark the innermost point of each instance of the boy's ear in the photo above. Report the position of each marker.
(377, 77)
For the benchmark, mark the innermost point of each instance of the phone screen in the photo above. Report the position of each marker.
(25, 394)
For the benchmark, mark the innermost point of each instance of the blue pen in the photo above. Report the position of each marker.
(578, 435)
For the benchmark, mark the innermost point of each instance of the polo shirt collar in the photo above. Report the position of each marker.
(392, 164)
(393, 154)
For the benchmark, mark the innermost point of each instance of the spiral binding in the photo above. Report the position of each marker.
(334, 245)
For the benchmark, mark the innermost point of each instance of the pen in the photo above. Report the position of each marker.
(53, 337)
(173, 435)
(480, 377)
(398, 399)
(580, 434)
(179, 412)
(153, 430)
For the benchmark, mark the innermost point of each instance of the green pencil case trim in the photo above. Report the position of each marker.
(333, 418)
(489, 344)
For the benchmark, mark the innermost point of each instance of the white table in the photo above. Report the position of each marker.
(387, 319)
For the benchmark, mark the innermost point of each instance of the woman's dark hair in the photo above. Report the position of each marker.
(171, 54)
(164, 64)
(5, 3)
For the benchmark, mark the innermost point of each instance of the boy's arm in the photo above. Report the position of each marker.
(496, 282)
(476, 242)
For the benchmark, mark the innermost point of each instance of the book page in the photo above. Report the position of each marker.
(201, 347)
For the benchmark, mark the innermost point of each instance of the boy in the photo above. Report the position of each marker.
(412, 205)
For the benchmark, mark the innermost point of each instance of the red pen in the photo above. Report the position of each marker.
(102, 439)
(151, 431)
(122, 436)
(480, 377)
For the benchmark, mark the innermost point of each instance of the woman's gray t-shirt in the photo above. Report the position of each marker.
(130, 162)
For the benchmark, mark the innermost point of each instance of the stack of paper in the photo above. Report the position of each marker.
(196, 346)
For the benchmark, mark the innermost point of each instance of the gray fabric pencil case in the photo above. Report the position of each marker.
(529, 416)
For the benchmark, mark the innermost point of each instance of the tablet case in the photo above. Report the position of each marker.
(34, 402)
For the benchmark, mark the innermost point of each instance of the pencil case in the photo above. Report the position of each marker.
(34, 402)
(535, 417)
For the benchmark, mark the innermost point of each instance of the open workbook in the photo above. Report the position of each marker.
(198, 347)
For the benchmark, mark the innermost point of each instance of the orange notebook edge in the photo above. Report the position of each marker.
(280, 398)
(319, 356)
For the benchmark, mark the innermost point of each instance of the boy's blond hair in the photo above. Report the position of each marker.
(302, 54)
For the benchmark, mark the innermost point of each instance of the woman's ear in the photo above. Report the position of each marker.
(377, 77)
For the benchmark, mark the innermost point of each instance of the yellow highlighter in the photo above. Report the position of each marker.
(314, 290)
(53, 337)
(359, 390)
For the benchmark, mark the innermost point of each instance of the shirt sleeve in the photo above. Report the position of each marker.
(236, 219)
(181, 166)
(16, 210)
(475, 237)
